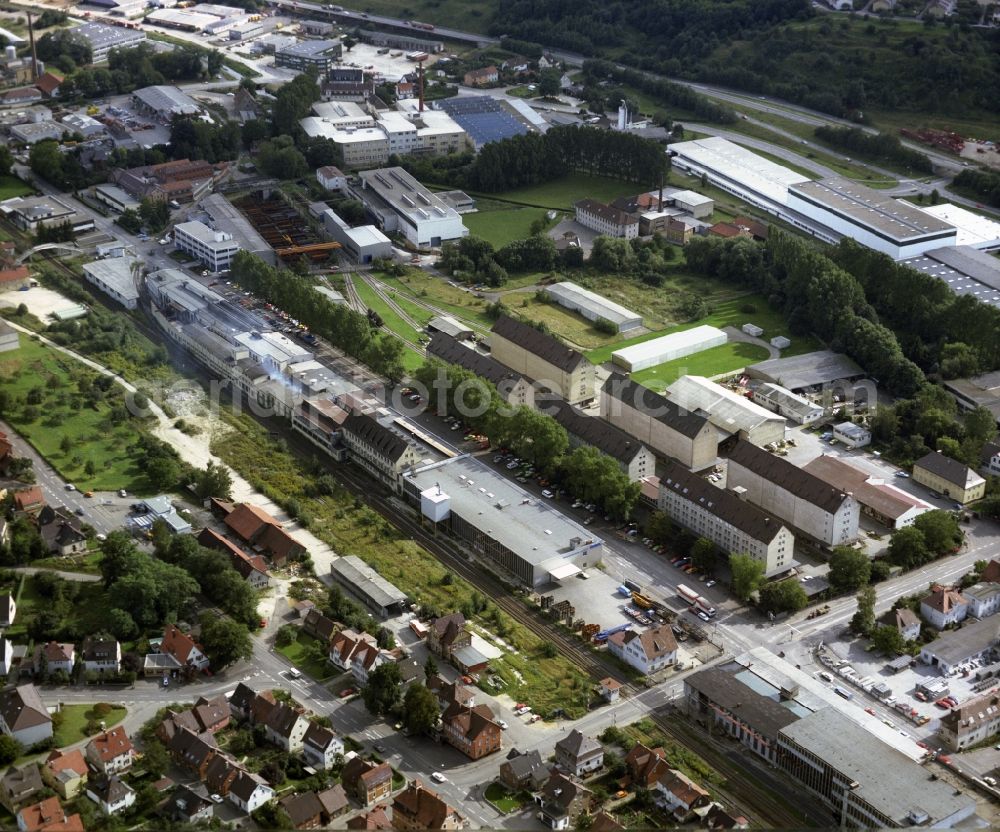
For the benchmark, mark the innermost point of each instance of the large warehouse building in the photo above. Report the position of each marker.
(668, 347)
(892, 226)
(506, 525)
(593, 306)
(973, 230)
(965, 270)
(731, 413)
(809, 371)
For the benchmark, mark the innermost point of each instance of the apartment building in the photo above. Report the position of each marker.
(949, 477)
(971, 723)
(376, 448)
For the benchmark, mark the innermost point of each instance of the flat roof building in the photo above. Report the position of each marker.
(31, 212)
(224, 216)
(593, 306)
(504, 524)
(732, 414)
(116, 198)
(37, 131)
(974, 230)
(964, 269)
(952, 648)
(788, 404)
(874, 219)
(309, 55)
(213, 249)
(115, 276)
(668, 347)
(400, 203)
(364, 243)
(103, 39)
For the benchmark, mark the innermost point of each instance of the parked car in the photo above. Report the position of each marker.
(438, 777)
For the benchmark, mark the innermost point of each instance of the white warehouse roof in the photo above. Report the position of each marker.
(740, 166)
(668, 347)
(726, 410)
(973, 229)
(592, 305)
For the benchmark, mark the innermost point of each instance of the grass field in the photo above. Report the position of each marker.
(61, 413)
(390, 317)
(502, 798)
(300, 654)
(75, 719)
(504, 226)
(563, 192)
(11, 186)
(441, 294)
(725, 358)
(727, 313)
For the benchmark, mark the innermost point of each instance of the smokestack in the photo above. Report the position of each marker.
(420, 73)
(660, 205)
(34, 55)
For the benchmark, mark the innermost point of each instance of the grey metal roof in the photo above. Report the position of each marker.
(309, 48)
(807, 370)
(166, 99)
(366, 581)
(405, 195)
(631, 393)
(955, 646)
(759, 712)
(570, 294)
(547, 347)
(100, 36)
(888, 781)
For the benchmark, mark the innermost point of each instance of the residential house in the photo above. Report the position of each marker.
(175, 722)
(321, 747)
(448, 633)
(61, 531)
(949, 477)
(65, 772)
(252, 568)
(644, 764)
(903, 619)
(365, 660)
(48, 816)
(334, 802)
(24, 716)
(647, 652)
(101, 655)
(8, 609)
(331, 178)
(678, 794)
(579, 754)
(111, 752)
(187, 806)
(523, 772)
(609, 689)
(111, 794)
(482, 77)
(345, 644)
(319, 626)
(989, 461)
(242, 702)
(221, 772)
(304, 810)
(53, 657)
(418, 808)
(718, 818)
(29, 501)
(472, 730)
(211, 714)
(375, 819)
(944, 606)
(451, 693)
(971, 723)
(286, 727)
(250, 791)
(603, 822)
(983, 598)
(183, 649)
(49, 84)
(19, 785)
(991, 573)
(365, 781)
(193, 751)
(561, 801)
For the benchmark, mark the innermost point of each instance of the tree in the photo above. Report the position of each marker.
(849, 569)
(863, 621)
(907, 547)
(940, 530)
(163, 473)
(225, 641)
(748, 575)
(383, 690)
(155, 759)
(214, 481)
(704, 555)
(10, 749)
(6, 160)
(783, 596)
(549, 82)
(888, 640)
(421, 708)
(431, 665)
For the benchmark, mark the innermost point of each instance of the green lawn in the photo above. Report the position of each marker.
(562, 193)
(300, 654)
(392, 319)
(502, 798)
(94, 433)
(88, 563)
(505, 226)
(442, 295)
(711, 362)
(11, 186)
(75, 719)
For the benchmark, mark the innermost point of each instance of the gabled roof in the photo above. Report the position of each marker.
(23, 782)
(302, 808)
(210, 712)
(177, 644)
(243, 697)
(185, 803)
(948, 469)
(471, 722)
(655, 643)
(247, 520)
(603, 822)
(791, 477)
(333, 800)
(608, 213)
(47, 82)
(69, 762)
(369, 432)
(23, 708)
(547, 347)
(447, 627)
(561, 791)
(111, 744)
(367, 773)
(278, 543)
(452, 351)
(53, 651)
(28, 497)
(524, 765)
(634, 395)
(595, 432)
(282, 719)
(109, 790)
(94, 649)
(246, 783)
(683, 788)
(319, 737)
(375, 819)
(422, 807)
(320, 625)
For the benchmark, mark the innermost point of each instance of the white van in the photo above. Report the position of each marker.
(295, 673)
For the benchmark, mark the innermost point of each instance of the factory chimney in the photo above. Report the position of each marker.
(34, 55)
(420, 73)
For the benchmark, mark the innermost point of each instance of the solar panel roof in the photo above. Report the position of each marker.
(483, 118)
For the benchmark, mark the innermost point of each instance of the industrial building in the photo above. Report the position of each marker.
(953, 648)
(187, 20)
(872, 218)
(364, 243)
(593, 306)
(807, 372)
(37, 131)
(803, 500)
(115, 276)
(485, 118)
(504, 524)
(878, 499)
(543, 358)
(964, 269)
(164, 102)
(634, 458)
(731, 413)
(31, 212)
(214, 249)
(788, 404)
(605, 219)
(347, 83)
(668, 347)
(224, 216)
(684, 435)
(974, 230)
(733, 524)
(400, 203)
(382, 597)
(513, 388)
(397, 40)
(451, 327)
(103, 39)
(971, 723)
(309, 56)
(852, 435)
(115, 198)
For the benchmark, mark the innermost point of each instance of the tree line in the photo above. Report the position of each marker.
(877, 147)
(346, 329)
(983, 184)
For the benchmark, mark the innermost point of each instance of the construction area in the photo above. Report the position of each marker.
(283, 227)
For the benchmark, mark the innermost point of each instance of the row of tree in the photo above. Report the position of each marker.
(875, 147)
(983, 184)
(475, 260)
(346, 329)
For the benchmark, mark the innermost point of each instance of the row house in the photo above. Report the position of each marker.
(366, 781)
